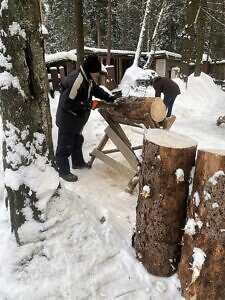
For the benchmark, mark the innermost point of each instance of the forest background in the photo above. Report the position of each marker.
(126, 18)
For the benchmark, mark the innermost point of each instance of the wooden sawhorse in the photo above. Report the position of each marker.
(115, 133)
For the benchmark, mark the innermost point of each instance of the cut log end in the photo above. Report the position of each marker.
(158, 110)
(169, 139)
(214, 151)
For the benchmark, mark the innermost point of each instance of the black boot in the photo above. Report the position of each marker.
(81, 165)
(69, 177)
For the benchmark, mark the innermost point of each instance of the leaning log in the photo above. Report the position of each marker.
(202, 268)
(137, 108)
(168, 158)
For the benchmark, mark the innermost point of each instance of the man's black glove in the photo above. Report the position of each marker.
(111, 99)
(114, 96)
(117, 94)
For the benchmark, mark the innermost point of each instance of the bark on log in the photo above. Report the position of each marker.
(139, 108)
(202, 269)
(168, 158)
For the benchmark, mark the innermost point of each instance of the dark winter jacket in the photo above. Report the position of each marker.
(166, 86)
(75, 100)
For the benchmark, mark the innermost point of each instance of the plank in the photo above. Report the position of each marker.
(124, 149)
(101, 145)
(113, 163)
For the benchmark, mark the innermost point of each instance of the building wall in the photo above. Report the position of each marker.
(217, 71)
(161, 67)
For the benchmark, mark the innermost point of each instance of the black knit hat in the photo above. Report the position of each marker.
(92, 64)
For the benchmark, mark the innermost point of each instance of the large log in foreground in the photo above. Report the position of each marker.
(168, 158)
(202, 266)
(139, 108)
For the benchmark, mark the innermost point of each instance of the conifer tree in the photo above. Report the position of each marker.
(27, 146)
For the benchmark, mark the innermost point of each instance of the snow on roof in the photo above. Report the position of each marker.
(164, 52)
(49, 58)
(71, 55)
(220, 61)
(99, 50)
(128, 52)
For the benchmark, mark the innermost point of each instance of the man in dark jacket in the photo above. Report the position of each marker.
(170, 90)
(72, 114)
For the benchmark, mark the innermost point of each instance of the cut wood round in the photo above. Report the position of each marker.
(202, 268)
(139, 108)
(168, 158)
(158, 110)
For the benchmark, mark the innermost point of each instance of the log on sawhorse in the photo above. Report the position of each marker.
(117, 136)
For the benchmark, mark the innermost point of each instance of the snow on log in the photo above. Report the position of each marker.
(202, 273)
(140, 108)
(168, 158)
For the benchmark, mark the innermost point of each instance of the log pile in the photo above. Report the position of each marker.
(168, 158)
(201, 270)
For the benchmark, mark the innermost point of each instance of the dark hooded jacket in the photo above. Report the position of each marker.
(166, 86)
(75, 100)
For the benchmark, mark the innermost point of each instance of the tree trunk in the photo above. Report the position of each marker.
(79, 31)
(155, 36)
(201, 27)
(201, 270)
(137, 108)
(109, 32)
(25, 111)
(188, 36)
(98, 25)
(168, 158)
(140, 41)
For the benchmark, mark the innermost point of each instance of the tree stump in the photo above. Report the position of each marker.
(202, 268)
(168, 158)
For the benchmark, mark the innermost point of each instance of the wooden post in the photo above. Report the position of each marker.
(62, 73)
(168, 158)
(55, 79)
(202, 265)
(70, 66)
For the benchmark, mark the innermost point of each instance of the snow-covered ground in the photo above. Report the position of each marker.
(84, 249)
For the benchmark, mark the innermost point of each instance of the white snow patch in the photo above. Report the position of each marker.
(15, 29)
(179, 175)
(207, 196)
(43, 180)
(214, 178)
(146, 191)
(7, 80)
(215, 205)
(190, 226)
(199, 259)
(128, 83)
(197, 199)
(4, 5)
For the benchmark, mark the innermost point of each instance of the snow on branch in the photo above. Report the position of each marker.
(4, 5)
(138, 51)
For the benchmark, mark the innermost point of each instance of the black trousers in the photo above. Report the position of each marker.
(70, 144)
(169, 101)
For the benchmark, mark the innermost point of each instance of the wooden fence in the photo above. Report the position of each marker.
(57, 71)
